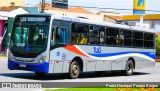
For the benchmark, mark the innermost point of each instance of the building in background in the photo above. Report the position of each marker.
(110, 17)
(5, 3)
(151, 21)
(158, 35)
(6, 22)
(72, 12)
(60, 4)
(83, 13)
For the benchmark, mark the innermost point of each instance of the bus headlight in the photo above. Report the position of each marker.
(42, 59)
(9, 57)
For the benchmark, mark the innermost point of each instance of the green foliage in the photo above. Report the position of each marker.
(105, 89)
(3, 55)
(83, 89)
(158, 45)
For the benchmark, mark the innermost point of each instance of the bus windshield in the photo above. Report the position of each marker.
(29, 38)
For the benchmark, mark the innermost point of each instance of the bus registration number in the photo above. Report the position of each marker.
(22, 65)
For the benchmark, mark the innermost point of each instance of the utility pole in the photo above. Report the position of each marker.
(42, 6)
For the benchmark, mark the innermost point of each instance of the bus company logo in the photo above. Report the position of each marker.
(58, 54)
(97, 49)
(6, 85)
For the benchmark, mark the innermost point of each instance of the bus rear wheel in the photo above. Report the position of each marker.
(129, 68)
(74, 70)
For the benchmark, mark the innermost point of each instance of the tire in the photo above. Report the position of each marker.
(39, 74)
(74, 70)
(129, 68)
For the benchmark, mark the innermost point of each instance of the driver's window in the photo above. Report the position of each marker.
(53, 36)
(60, 35)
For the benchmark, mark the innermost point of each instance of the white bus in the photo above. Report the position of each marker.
(46, 43)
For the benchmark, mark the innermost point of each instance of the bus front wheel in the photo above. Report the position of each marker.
(129, 68)
(74, 70)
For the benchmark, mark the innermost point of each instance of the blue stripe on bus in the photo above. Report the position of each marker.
(149, 54)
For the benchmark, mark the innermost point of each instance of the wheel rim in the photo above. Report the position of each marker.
(75, 70)
(130, 68)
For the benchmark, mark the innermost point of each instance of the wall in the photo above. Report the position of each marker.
(104, 16)
(74, 14)
(107, 19)
(8, 2)
(1, 33)
(152, 23)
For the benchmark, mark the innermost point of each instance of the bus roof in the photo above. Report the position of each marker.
(87, 21)
(107, 24)
(38, 14)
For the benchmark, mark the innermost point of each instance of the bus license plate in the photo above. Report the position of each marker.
(22, 65)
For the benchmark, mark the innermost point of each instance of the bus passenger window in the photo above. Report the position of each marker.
(138, 39)
(127, 37)
(122, 38)
(112, 36)
(80, 33)
(148, 40)
(102, 35)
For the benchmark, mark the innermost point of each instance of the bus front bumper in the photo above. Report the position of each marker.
(41, 67)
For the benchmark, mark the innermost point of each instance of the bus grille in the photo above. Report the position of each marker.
(28, 67)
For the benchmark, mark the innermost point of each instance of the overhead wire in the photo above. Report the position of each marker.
(101, 8)
(110, 8)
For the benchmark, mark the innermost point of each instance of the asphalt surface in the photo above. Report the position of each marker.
(151, 74)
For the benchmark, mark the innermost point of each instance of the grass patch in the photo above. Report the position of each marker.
(82, 89)
(3, 55)
(105, 89)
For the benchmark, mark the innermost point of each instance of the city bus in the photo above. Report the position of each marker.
(46, 43)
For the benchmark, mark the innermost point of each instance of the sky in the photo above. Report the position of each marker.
(116, 4)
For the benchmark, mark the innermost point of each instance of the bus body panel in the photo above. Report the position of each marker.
(110, 58)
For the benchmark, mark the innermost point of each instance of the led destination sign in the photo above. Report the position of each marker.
(32, 19)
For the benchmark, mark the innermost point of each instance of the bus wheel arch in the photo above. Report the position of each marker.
(75, 67)
(132, 59)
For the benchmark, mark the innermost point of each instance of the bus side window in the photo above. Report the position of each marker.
(112, 36)
(80, 33)
(148, 40)
(138, 39)
(121, 38)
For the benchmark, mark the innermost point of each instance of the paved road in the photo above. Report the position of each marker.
(151, 74)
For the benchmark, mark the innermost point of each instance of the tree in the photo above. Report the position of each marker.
(158, 45)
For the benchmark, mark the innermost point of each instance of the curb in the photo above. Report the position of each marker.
(3, 58)
(157, 60)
